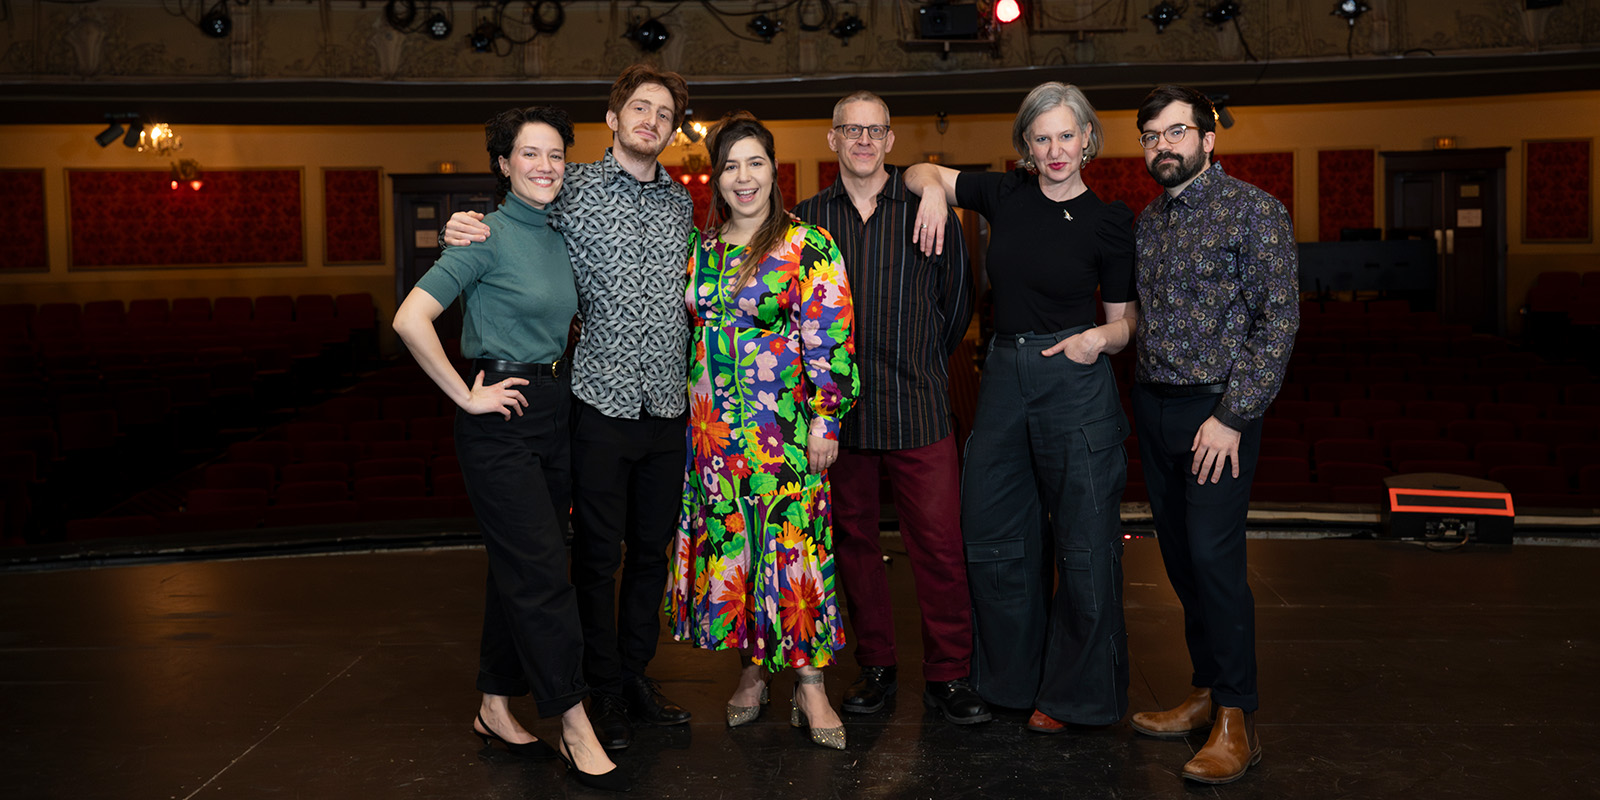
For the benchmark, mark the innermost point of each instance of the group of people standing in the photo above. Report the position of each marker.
(739, 390)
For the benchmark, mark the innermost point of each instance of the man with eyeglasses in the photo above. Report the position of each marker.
(1217, 279)
(911, 312)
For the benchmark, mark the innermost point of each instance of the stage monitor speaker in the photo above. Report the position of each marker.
(1437, 507)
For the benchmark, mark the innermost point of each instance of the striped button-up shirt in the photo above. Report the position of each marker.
(910, 313)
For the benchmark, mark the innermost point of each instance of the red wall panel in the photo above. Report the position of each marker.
(352, 214)
(24, 245)
(1345, 189)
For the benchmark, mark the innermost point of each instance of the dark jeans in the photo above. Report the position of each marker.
(517, 478)
(627, 489)
(1200, 528)
(1045, 459)
(927, 496)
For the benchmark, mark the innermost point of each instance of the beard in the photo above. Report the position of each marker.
(1173, 169)
(641, 148)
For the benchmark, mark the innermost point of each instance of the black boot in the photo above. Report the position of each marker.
(610, 715)
(956, 701)
(871, 689)
(646, 703)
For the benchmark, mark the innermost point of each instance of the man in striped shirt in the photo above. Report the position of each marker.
(911, 312)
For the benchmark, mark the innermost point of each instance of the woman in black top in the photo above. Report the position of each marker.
(1045, 456)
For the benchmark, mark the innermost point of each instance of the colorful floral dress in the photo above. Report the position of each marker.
(771, 363)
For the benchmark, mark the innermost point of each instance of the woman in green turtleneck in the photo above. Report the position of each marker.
(511, 437)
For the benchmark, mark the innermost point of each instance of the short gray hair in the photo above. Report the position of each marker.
(862, 96)
(1043, 98)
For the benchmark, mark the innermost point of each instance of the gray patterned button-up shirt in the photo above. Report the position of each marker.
(1219, 292)
(629, 246)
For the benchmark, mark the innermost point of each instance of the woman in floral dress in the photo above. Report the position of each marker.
(771, 372)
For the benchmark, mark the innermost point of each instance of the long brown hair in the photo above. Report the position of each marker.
(732, 128)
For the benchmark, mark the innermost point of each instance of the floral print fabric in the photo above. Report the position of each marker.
(771, 363)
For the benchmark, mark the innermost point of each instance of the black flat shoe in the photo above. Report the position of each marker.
(956, 701)
(536, 749)
(613, 781)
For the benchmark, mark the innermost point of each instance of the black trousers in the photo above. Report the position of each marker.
(1200, 528)
(517, 477)
(1044, 470)
(627, 489)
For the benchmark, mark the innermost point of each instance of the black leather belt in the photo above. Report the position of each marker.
(1184, 390)
(552, 370)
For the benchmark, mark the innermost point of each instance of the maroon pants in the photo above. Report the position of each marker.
(927, 495)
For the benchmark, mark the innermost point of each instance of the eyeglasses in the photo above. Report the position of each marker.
(1173, 135)
(854, 131)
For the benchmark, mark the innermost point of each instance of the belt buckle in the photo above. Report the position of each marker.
(555, 368)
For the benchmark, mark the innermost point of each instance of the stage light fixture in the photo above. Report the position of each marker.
(1222, 13)
(1163, 15)
(112, 132)
(692, 131)
(1219, 104)
(216, 23)
(482, 37)
(765, 27)
(135, 134)
(1350, 9)
(650, 35)
(847, 27)
(1007, 11)
(438, 26)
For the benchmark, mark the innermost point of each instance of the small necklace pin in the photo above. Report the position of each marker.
(1067, 214)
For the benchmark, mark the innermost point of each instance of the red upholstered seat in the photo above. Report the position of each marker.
(1471, 469)
(316, 471)
(1504, 454)
(1531, 479)
(381, 467)
(302, 493)
(241, 475)
(1403, 450)
(1283, 470)
(1360, 451)
(390, 486)
(1346, 473)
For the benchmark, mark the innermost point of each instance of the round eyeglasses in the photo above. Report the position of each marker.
(854, 131)
(1173, 135)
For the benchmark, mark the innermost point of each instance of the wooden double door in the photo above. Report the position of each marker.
(1456, 198)
(422, 204)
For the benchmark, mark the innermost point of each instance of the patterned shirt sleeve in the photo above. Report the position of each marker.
(1270, 274)
(825, 319)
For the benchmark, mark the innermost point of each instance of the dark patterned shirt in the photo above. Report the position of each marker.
(628, 241)
(1219, 292)
(910, 313)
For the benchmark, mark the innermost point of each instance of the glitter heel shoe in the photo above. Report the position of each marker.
(740, 715)
(827, 737)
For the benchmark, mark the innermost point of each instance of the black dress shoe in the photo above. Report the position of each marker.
(646, 703)
(610, 714)
(872, 687)
(956, 701)
(613, 781)
(535, 749)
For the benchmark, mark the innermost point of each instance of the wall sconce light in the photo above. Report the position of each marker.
(186, 171)
(159, 139)
(1222, 13)
(216, 23)
(1350, 9)
(1007, 11)
(1163, 15)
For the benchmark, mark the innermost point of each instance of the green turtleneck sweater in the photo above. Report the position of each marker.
(516, 288)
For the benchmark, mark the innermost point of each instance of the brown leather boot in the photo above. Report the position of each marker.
(1192, 715)
(1232, 749)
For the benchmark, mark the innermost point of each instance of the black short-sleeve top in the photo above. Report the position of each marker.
(1047, 257)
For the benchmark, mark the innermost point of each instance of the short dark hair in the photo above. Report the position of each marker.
(500, 135)
(640, 74)
(1205, 113)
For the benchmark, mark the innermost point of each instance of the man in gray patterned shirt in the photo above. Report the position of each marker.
(1217, 276)
(626, 224)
